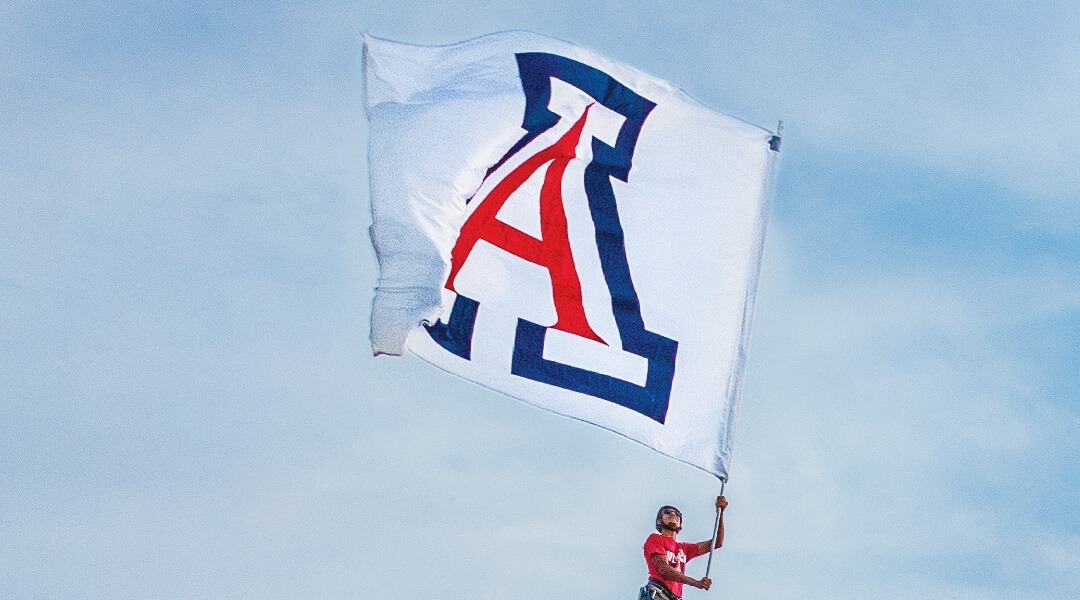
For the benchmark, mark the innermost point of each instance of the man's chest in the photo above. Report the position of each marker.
(676, 558)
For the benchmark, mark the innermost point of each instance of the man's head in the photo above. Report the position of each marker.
(668, 518)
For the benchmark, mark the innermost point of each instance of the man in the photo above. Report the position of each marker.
(667, 558)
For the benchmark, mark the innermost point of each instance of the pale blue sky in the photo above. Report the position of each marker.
(188, 406)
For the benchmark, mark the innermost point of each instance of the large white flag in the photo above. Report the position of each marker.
(569, 231)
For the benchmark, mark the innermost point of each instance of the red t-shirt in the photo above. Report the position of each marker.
(676, 554)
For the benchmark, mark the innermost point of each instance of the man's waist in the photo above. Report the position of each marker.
(660, 586)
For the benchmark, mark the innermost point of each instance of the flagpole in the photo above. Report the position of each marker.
(716, 529)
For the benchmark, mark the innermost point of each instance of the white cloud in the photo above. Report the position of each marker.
(976, 90)
(886, 418)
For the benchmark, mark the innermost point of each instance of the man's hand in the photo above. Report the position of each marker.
(721, 503)
(703, 584)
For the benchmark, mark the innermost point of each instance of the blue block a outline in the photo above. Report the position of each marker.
(536, 70)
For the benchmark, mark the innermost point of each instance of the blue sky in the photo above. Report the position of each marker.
(188, 406)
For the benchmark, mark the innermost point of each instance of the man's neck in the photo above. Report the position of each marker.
(668, 533)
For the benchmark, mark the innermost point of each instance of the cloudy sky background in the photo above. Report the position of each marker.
(188, 406)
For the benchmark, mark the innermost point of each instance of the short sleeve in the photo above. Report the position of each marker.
(690, 549)
(654, 544)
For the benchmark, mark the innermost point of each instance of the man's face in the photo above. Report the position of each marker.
(671, 520)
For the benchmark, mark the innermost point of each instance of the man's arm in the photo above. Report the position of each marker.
(703, 547)
(668, 573)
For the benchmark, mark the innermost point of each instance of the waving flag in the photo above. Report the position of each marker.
(569, 231)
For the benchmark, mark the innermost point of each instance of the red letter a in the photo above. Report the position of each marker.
(553, 252)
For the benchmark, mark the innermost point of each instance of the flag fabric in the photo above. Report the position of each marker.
(569, 231)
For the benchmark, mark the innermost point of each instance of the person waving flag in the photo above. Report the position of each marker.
(666, 557)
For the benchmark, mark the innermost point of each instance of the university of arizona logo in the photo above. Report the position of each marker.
(552, 250)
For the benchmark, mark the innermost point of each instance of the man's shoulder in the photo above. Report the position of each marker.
(656, 540)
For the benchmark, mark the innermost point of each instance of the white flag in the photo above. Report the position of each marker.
(569, 231)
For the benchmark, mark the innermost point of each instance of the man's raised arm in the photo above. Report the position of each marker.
(703, 547)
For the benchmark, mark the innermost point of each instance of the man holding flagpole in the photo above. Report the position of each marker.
(666, 558)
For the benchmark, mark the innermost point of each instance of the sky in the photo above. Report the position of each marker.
(188, 402)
